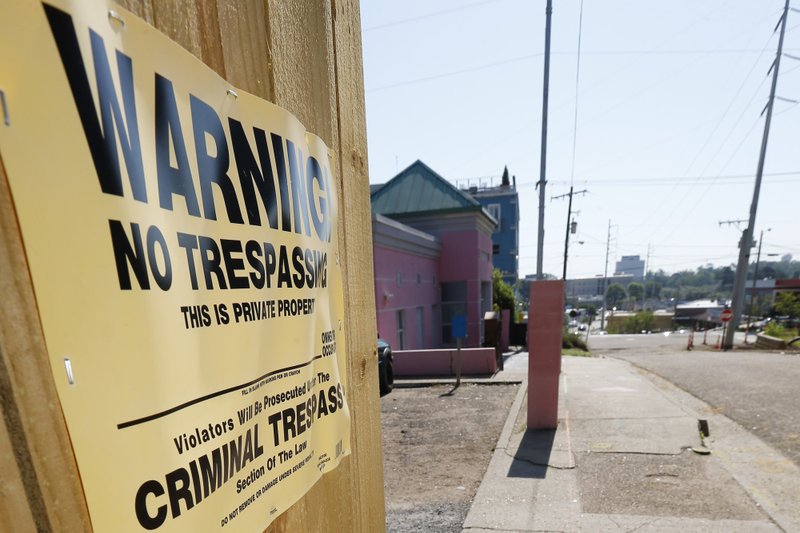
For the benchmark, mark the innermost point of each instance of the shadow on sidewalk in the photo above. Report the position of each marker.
(533, 454)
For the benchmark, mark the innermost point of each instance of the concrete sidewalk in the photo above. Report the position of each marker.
(628, 455)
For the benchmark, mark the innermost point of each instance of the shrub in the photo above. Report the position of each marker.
(573, 340)
(774, 329)
(641, 321)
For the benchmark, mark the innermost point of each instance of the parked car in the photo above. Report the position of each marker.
(385, 370)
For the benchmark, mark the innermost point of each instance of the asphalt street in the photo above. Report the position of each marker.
(758, 390)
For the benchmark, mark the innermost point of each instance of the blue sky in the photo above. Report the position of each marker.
(668, 127)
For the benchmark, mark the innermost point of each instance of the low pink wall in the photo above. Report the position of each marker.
(474, 361)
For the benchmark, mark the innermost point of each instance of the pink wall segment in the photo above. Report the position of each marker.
(415, 287)
(466, 256)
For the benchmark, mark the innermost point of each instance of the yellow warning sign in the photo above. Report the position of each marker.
(181, 237)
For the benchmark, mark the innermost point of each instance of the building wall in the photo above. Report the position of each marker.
(406, 283)
(467, 257)
(505, 238)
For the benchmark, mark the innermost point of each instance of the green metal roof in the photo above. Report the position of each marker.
(418, 189)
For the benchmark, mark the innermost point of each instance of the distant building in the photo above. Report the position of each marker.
(432, 249)
(592, 289)
(631, 264)
(502, 202)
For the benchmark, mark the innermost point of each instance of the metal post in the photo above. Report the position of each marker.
(605, 279)
(747, 237)
(458, 362)
(753, 294)
(543, 164)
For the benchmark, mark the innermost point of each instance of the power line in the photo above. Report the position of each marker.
(426, 16)
(525, 57)
(710, 136)
(452, 73)
(577, 86)
(673, 180)
(613, 74)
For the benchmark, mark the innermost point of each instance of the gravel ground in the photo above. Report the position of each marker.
(436, 448)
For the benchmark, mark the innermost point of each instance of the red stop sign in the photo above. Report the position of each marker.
(726, 315)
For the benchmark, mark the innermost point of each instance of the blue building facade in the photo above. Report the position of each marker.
(502, 202)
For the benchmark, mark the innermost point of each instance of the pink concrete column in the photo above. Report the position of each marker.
(545, 319)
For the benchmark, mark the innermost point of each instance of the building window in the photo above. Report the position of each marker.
(454, 303)
(401, 341)
(419, 279)
(399, 279)
(494, 210)
(495, 249)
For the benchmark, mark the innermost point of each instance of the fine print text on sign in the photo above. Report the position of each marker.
(181, 241)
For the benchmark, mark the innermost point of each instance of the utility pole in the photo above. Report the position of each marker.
(755, 278)
(605, 279)
(543, 164)
(569, 224)
(747, 235)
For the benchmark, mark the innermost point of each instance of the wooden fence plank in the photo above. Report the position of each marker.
(15, 513)
(245, 38)
(356, 245)
(31, 410)
(305, 82)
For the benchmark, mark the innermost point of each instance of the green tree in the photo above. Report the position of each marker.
(787, 303)
(502, 293)
(615, 295)
(635, 292)
(697, 293)
(652, 289)
(726, 276)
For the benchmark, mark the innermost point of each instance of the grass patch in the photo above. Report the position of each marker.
(774, 329)
(576, 352)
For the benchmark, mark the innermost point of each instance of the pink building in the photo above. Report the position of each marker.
(432, 248)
